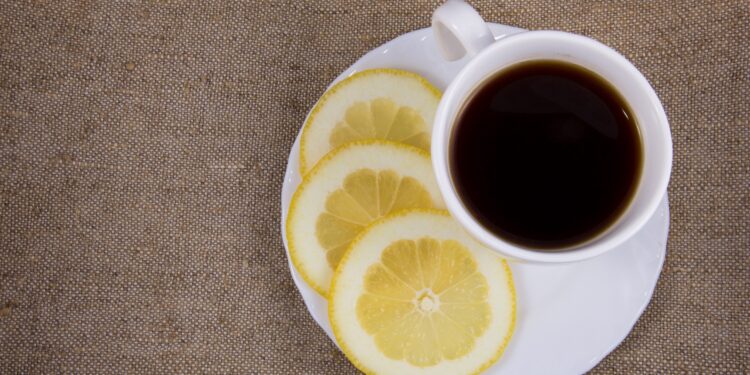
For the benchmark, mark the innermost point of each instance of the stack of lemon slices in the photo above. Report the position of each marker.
(409, 292)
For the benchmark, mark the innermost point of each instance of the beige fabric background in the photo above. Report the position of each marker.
(142, 147)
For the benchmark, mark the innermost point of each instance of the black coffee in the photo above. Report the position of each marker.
(546, 154)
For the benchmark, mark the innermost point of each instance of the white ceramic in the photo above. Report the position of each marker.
(570, 315)
(460, 30)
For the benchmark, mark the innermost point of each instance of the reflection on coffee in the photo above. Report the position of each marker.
(546, 155)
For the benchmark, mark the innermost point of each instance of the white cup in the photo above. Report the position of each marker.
(460, 31)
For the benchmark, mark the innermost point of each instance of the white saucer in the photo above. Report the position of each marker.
(570, 316)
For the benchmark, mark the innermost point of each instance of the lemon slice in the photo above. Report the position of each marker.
(415, 295)
(348, 189)
(387, 104)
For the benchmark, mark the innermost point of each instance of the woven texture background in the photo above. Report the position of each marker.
(142, 148)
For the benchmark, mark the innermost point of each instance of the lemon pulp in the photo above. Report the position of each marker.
(386, 104)
(424, 301)
(365, 196)
(414, 294)
(348, 189)
(381, 118)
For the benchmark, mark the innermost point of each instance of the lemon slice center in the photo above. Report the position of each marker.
(427, 301)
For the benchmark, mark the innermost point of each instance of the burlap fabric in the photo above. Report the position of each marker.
(142, 148)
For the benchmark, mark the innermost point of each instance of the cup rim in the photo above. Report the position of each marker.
(443, 125)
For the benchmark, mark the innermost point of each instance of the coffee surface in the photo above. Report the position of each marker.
(546, 155)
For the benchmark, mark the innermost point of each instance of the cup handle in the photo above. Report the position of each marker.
(459, 30)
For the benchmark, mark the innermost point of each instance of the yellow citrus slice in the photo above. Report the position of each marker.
(348, 189)
(388, 104)
(415, 295)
